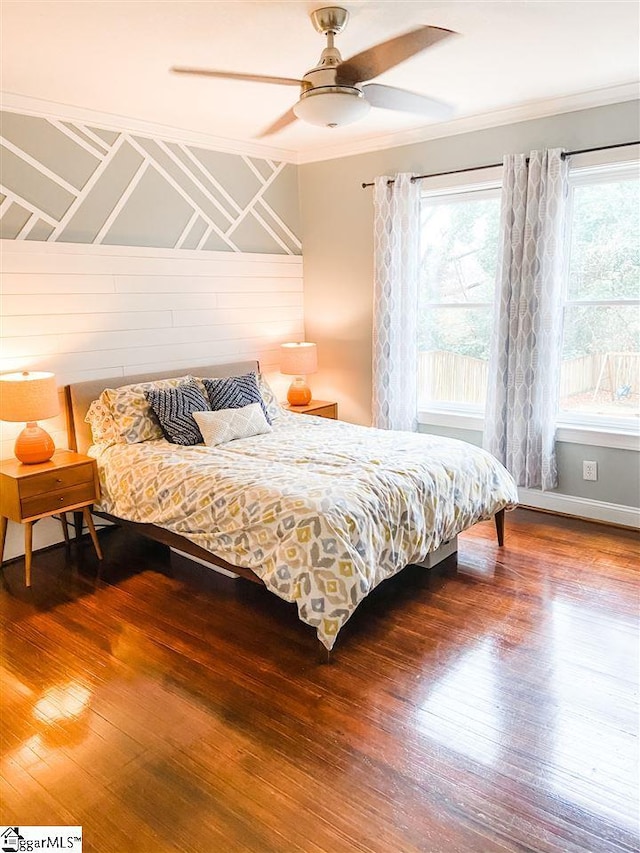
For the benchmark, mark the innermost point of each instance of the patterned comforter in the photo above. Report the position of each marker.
(320, 510)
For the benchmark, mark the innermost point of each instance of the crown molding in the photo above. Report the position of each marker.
(481, 121)
(467, 124)
(110, 121)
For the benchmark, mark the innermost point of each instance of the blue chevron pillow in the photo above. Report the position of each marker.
(174, 408)
(235, 393)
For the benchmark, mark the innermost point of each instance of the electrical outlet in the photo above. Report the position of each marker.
(589, 470)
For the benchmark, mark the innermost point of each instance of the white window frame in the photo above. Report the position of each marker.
(587, 430)
(606, 431)
(459, 415)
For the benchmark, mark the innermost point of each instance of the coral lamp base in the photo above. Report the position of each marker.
(34, 444)
(299, 393)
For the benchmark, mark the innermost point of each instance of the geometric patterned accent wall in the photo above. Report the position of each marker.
(67, 182)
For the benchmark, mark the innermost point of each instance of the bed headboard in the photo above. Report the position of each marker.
(80, 395)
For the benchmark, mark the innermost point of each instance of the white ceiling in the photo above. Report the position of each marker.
(114, 58)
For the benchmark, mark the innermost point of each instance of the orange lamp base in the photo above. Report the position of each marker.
(299, 393)
(34, 444)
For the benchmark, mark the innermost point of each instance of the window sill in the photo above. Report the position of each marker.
(567, 432)
(597, 436)
(454, 419)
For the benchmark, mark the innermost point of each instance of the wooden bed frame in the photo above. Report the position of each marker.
(79, 397)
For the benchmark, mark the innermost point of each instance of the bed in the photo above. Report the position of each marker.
(319, 511)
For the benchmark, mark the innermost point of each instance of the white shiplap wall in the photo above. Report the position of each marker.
(88, 312)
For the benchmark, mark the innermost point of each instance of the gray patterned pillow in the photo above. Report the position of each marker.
(274, 409)
(235, 392)
(174, 408)
(134, 418)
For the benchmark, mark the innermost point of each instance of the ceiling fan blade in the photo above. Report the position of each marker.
(280, 123)
(390, 98)
(231, 75)
(374, 61)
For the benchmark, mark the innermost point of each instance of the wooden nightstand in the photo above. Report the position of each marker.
(319, 408)
(68, 481)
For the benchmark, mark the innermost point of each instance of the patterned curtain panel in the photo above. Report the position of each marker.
(395, 306)
(527, 335)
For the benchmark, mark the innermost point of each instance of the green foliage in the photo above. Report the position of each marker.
(605, 241)
(601, 329)
(604, 264)
(466, 331)
(460, 245)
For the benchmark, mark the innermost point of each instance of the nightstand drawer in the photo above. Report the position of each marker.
(62, 498)
(61, 478)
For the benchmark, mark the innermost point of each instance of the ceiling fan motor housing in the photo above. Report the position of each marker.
(323, 100)
(326, 102)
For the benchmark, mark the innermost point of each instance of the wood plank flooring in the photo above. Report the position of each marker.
(485, 707)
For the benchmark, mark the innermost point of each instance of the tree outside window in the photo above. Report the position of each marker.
(600, 373)
(459, 258)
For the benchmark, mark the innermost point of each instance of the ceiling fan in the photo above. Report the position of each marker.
(336, 92)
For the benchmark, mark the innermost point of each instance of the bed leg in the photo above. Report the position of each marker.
(78, 521)
(499, 519)
(324, 655)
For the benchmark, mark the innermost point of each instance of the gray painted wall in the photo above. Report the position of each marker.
(618, 470)
(67, 182)
(337, 216)
(618, 473)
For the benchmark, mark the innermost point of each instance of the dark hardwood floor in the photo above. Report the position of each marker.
(487, 707)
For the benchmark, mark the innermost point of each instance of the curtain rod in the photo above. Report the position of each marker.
(496, 165)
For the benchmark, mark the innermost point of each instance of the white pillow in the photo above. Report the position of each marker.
(229, 424)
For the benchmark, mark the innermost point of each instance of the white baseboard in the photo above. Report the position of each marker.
(628, 516)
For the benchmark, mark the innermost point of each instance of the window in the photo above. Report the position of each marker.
(600, 367)
(600, 373)
(459, 257)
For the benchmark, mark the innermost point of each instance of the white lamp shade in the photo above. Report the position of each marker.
(28, 397)
(298, 359)
(331, 108)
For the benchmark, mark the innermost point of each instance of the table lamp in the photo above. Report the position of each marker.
(30, 397)
(298, 360)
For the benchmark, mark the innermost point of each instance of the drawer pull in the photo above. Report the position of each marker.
(58, 480)
(61, 500)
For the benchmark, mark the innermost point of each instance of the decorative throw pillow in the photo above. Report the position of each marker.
(134, 418)
(103, 427)
(225, 425)
(235, 392)
(272, 406)
(174, 408)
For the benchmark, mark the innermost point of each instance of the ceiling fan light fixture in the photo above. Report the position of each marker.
(332, 106)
